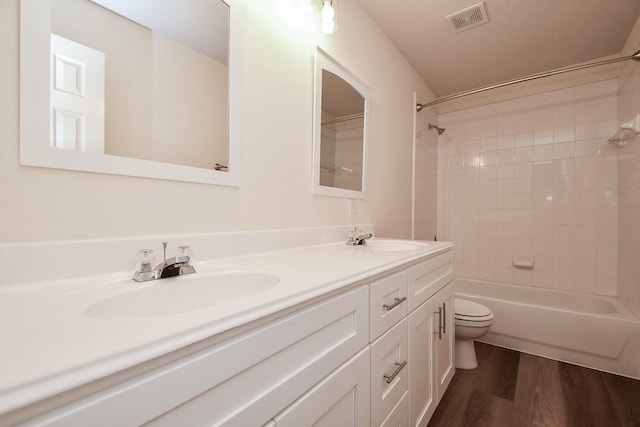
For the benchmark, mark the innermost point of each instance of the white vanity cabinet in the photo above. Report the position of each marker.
(431, 336)
(412, 342)
(373, 353)
(245, 380)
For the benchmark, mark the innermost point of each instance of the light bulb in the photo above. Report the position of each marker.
(328, 14)
(306, 8)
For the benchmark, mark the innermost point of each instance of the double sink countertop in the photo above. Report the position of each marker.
(62, 334)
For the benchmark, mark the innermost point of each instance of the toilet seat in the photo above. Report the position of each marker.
(472, 314)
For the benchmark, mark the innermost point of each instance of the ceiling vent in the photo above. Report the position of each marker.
(469, 17)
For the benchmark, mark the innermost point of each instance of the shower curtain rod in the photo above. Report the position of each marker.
(343, 119)
(634, 57)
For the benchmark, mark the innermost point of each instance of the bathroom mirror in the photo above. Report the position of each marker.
(141, 88)
(339, 130)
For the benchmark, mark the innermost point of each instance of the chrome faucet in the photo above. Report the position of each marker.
(357, 237)
(176, 266)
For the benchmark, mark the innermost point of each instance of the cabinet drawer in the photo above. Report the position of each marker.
(341, 399)
(399, 416)
(388, 303)
(389, 371)
(428, 277)
(242, 381)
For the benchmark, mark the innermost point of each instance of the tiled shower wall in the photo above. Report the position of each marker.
(533, 176)
(629, 182)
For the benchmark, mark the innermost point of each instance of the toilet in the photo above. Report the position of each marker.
(473, 321)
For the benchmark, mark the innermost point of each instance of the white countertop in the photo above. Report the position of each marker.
(50, 345)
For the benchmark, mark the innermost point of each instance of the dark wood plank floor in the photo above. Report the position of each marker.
(515, 389)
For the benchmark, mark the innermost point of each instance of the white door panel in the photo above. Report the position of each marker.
(77, 96)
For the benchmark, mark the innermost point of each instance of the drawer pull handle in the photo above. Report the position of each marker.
(397, 302)
(439, 332)
(399, 367)
(444, 317)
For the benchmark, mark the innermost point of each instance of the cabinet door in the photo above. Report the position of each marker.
(422, 389)
(341, 399)
(389, 371)
(445, 341)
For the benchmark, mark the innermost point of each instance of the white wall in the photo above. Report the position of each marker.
(426, 175)
(277, 93)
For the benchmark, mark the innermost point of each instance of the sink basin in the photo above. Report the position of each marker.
(392, 245)
(181, 294)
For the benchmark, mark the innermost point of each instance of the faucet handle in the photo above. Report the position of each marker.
(185, 251)
(144, 260)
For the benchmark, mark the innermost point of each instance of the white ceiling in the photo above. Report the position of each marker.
(522, 37)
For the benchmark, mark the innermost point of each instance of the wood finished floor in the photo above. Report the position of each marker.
(515, 389)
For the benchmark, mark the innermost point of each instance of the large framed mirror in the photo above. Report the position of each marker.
(339, 130)
(142, 88)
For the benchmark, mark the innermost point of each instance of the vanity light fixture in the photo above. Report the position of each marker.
(328, 16)
(306, 8)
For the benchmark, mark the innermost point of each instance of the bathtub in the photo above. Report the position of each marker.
(594, 331)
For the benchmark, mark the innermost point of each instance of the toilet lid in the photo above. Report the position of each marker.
(469, 310)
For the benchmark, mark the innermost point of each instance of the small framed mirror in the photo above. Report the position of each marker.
(142, 88)
(339, 130)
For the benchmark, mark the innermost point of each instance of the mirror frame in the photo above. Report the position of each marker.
(325, 62)
(35, 29)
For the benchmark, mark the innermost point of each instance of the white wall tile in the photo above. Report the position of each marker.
(505, 141)
(535, 176)
(523, 170)
(524, 139)
(523, 154)
(543, 136)
(585, 284)
(563, 282)
(586, 131)
(586, 148)
(543, 152)
(543, 263)
(523, 277)
(563, 150)
(586, 250)
(542, 279)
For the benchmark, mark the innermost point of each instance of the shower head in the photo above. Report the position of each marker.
(439, 129)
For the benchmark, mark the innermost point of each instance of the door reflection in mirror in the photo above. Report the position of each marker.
(165, 89)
